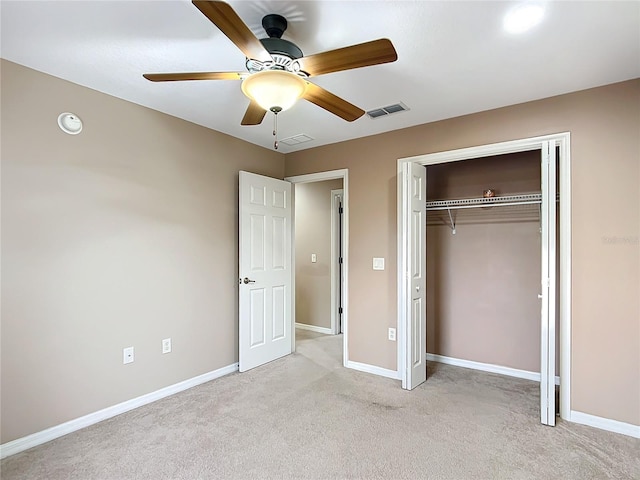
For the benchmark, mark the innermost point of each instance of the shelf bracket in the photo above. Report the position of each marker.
(453, 224)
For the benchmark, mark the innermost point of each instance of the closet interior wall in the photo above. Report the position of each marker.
(483, 281)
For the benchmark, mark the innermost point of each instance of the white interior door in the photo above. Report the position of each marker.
(266, 274)
(414, 266)
(548, 286)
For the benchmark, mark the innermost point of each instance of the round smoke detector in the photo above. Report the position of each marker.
(70, 123)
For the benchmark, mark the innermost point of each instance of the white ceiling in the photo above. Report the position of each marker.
(454, 57)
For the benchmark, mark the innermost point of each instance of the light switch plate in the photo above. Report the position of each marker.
(314, 258)
(378, 263)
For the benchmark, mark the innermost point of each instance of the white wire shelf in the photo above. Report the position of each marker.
(503, 200)
(513, 208)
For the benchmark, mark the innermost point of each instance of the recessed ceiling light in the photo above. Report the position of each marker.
(523, 17)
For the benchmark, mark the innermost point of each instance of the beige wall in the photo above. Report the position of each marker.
(313, 235)
(483, 281)
(506, 174)
(127, 234)
(120, 236)
(605, 153)
(482, 287)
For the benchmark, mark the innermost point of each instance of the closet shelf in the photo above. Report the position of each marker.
(523, 207)
(503, 200)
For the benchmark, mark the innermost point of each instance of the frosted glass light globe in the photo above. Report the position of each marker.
(275, 90)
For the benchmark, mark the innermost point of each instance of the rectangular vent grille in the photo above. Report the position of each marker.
(296, 139)
(388, 110)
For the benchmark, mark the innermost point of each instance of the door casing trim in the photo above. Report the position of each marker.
(319, 177)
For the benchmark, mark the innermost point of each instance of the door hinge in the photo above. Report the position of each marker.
(340, 310)
(340, 260)
(340, 210)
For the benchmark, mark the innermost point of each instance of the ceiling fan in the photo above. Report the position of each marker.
(277, 69)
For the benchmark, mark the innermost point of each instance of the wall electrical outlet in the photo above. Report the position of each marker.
(392, 334)
(127, 355)
(166, 345)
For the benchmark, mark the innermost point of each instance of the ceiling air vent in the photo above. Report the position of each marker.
(296, 139)
(384, 111)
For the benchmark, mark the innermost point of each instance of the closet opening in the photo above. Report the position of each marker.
(484, 264)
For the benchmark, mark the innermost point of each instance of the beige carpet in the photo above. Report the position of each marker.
(304, 416)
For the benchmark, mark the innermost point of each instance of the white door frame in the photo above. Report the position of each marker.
(336, 199)
(561, 140)
(320, 177)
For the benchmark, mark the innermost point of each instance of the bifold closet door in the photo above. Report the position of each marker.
(548, 286)
(414, 225)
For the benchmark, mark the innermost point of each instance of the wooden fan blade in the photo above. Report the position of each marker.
(173, 77)
(227, 20)
(254, 114)
(366, 54)
(332, 103)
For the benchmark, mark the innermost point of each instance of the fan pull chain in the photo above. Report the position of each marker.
(275, 130)
(276, 110)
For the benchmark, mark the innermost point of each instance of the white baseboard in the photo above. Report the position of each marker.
(605, 424)
(487, 367)
(38, 438)
(364, 367)
(313, 328)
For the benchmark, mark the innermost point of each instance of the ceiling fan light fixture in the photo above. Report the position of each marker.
(274, 90)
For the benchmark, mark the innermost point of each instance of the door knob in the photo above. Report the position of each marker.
(246, 280)
(539, 296)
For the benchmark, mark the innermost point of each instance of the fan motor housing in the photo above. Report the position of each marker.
(279, 46)
(275, 25)
(283, 52)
